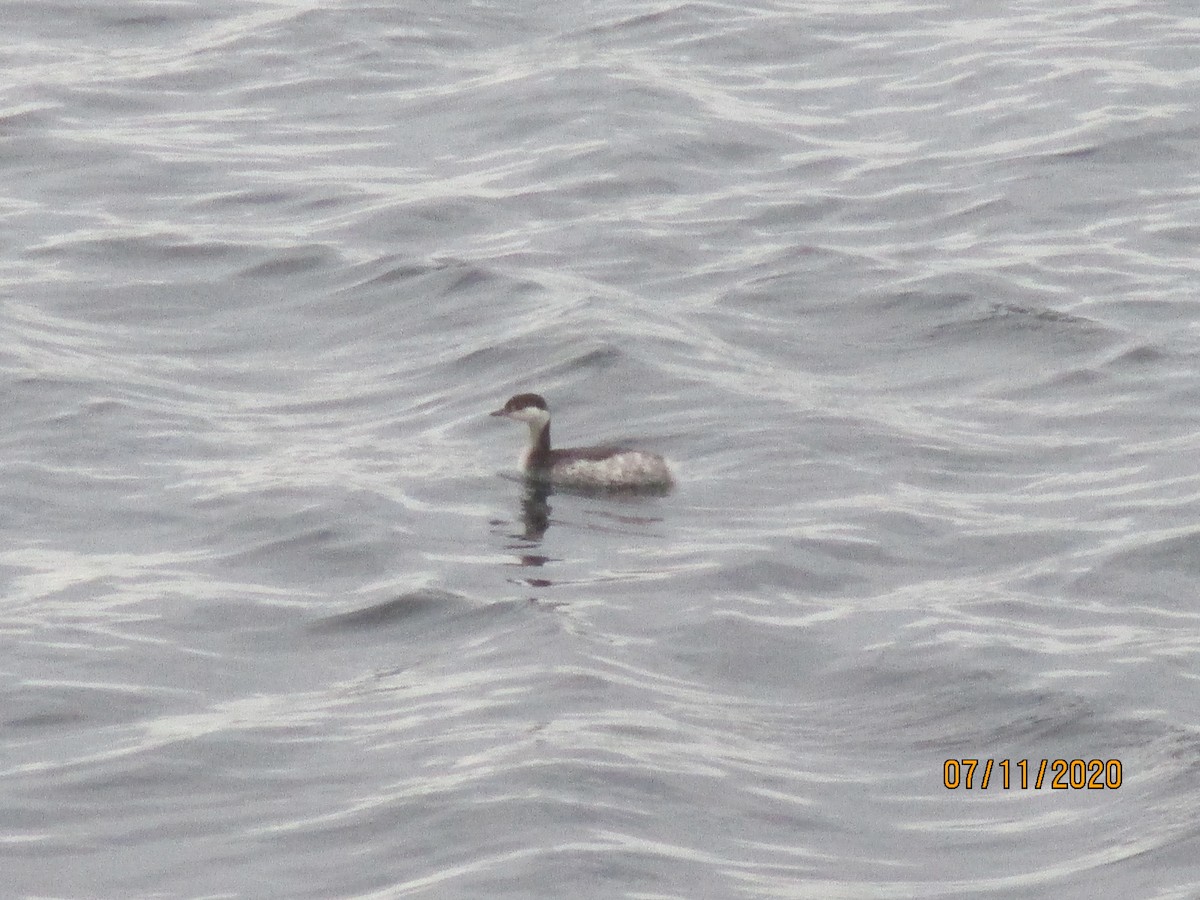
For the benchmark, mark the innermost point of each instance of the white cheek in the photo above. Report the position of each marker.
(531, 416)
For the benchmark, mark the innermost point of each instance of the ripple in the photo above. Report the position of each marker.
(908, 293)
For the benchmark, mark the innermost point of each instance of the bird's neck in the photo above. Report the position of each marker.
(539, 445)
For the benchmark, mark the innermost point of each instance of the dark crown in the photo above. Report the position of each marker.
(524, 401)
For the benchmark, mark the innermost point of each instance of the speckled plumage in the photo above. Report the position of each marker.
(622, 469)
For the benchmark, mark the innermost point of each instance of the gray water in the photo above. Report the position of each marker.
(906, 291)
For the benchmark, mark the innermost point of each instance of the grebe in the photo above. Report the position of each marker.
(591, 468)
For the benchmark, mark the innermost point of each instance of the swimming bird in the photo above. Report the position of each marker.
(590, 468)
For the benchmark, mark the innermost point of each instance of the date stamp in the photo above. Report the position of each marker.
(1023, 774)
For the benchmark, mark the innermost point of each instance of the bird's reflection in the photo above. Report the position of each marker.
(535, 520)
(535, 510)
